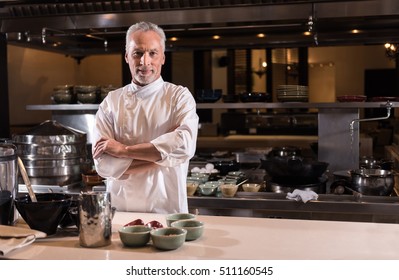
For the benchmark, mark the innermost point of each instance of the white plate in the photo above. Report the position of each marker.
(13, 231)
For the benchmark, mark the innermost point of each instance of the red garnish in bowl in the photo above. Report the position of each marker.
(135, 222)
(154, 224)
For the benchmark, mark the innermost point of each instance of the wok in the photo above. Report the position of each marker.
(294, 167)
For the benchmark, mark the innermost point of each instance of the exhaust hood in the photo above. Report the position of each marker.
(80, 28)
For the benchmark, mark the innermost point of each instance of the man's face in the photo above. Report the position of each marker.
(145, 57)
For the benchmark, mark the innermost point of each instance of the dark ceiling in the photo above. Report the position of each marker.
(80, 28)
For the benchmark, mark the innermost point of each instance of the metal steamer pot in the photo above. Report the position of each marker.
(377, 182)
(53, 154)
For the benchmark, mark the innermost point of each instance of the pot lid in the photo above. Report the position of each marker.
(51, 132)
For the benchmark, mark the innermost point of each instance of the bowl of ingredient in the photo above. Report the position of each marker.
(194, 228)
(135, 236)
(191, 188)
(228, 190)
(168, 238)
(251, 187)
(178, 216)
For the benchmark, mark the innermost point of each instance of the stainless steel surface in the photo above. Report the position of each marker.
(98, 27)
(372, 181)
(49, 188)
(83, 121)
(8, 183)
(52, 151)
(380, 209)
(95, 215)
(50, 133)
(239, 105)
(388, 107)
(64, 107)
(337, 144)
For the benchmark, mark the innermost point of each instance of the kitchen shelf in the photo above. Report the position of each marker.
(238, 105)
(294, 105)
(64, 107)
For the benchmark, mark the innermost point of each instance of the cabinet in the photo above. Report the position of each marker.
(337, 143)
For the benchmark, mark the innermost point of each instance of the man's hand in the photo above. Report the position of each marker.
(109, 146)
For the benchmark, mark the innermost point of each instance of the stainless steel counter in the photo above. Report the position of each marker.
(238, 105)
(328, 207)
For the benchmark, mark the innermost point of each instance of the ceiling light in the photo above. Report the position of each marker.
(391, 50)
(174, 39)
(355, 31)
(260, 35)
(307, 33)
(216, 37)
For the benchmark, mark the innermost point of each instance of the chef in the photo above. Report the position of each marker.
(145, 133)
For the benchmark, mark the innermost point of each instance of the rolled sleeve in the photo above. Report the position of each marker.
(111, 167)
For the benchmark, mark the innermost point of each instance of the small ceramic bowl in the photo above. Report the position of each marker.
(208, 189)
(194, 228)
(192, 188)
(251, 187)
(62, 97)
(168, 238)
(200, 179)
(178, 216)
(89, 97)
(135, 236)
(228, 190)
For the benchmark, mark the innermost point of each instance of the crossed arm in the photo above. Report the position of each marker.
(144, 155)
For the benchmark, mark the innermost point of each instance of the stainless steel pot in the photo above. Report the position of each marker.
(52, 153)
(378, 182)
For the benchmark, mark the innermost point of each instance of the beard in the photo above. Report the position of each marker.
(145, 75)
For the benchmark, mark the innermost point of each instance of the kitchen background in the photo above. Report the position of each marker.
(32, 75)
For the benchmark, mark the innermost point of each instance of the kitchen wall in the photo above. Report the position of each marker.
(32, 74)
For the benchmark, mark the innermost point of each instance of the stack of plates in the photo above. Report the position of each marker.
(292, 93)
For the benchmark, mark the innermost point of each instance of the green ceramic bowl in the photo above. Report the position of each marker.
(168, 238)
(178, 216)
(135, 236)
(194, 228)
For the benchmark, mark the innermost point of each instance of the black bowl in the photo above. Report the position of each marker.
(208, 95)
(71, 217)
(46, 214)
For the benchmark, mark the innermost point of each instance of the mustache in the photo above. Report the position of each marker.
(144, 68)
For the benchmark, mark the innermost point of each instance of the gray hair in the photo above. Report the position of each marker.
(145, 26)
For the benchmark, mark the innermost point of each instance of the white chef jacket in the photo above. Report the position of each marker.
(163, 114)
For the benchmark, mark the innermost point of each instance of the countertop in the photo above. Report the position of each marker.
(240, 238)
